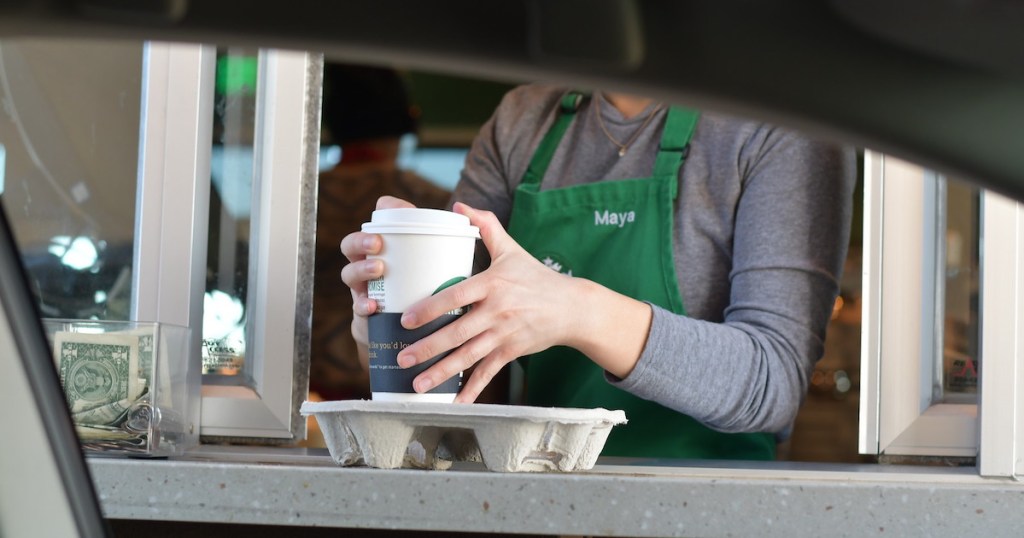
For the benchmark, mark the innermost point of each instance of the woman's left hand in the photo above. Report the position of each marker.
(519, 307)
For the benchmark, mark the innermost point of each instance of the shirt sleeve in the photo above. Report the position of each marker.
(750, 372)
(500, 154)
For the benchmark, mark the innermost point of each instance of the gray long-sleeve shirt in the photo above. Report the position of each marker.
(762, 223)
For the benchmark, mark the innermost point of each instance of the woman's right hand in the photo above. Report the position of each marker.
(356, 246)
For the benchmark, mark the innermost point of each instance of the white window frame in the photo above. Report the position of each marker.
(899, 319)
(896, 242)
(1002, 325)
(172, 226)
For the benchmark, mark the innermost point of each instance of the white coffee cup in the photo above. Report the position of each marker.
(424, 251)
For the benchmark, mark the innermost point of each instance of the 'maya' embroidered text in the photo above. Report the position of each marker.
(609, 218)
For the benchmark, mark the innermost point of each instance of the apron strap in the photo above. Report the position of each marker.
(542, 157)
(675, 143)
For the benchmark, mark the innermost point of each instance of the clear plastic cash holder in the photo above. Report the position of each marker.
(427, 435)
(131, 386)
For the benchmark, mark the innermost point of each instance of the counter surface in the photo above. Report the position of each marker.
(279, 486)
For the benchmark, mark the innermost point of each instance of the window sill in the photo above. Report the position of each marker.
(303, 487)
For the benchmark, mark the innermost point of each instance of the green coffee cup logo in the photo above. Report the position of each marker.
(447, 284)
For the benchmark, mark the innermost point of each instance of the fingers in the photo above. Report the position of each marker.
(486, 370)
(457, 296)
(358, 245)
(468, 339)
(356, 274)
(466, 332)
(360, 270)
(494, 236)
(469, 291)
(474, 346)
(478, 355)
(390, 202)
(362, 305)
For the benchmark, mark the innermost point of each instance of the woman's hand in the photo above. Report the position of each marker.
(519, 307)
(356, 246)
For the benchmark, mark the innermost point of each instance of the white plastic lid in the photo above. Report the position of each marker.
(408, 220)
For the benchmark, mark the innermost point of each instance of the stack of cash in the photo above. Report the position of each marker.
(106, 380)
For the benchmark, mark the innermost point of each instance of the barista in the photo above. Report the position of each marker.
(676, 265)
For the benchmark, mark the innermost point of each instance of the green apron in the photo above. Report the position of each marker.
(618, 234)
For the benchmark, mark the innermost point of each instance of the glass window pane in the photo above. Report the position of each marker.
(69, 144)
(231, 169)
(958, 375)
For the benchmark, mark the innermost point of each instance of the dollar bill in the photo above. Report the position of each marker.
(111, 413)
(106, 439)
(99, 433)
(146, 356)
(153, 357)
(97, 369)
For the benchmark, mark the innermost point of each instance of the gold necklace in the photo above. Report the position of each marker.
(623, 146)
